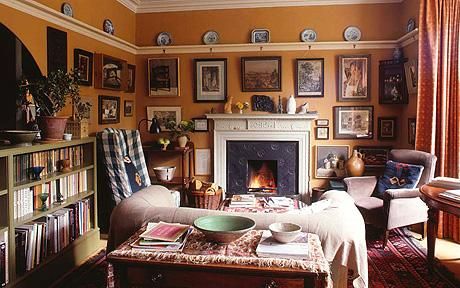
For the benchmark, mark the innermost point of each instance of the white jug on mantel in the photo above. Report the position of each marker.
(291, 105)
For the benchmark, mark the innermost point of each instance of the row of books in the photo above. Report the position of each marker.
(165, 237)
(48, 159)
(4, 279)
(36, 240)
(27, 200)
(452, 195)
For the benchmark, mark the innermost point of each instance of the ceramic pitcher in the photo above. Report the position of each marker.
(355, 165)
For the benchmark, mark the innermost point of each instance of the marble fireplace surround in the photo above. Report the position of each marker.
(263, 127)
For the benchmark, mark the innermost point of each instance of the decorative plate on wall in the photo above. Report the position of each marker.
(164, 39)
(410, 25)
(108, 27)
(308, 35)
(67, 9)
(352, 33)
(211, 37)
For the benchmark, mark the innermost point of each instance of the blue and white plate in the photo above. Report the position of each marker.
(308, 35)
(211, 37)
(352, 33)
(67, 9)
(108, 26)
(164, 39)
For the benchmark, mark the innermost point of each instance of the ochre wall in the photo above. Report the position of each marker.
(32, 32)
(285, 24)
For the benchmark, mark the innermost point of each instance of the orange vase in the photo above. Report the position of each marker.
(355, 165)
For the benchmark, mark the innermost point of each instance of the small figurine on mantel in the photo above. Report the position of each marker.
(304, 108)
(280, 105)
(228, 105)
(291, 105)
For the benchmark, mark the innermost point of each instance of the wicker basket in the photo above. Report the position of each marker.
(78, 129)
(204, 195)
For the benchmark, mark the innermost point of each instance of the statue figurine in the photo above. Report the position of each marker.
(228, 106)
(280, 105)
(304, 108)
(291, 105)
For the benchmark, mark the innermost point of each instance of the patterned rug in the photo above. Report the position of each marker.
(402, 264)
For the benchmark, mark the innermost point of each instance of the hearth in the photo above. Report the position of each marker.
(262, 176)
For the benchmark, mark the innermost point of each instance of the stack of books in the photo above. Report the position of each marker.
(269, 248)
(445, 182)
(280, 202)
(243, 201)
(4, 259)
(164, 237)
(452, 195)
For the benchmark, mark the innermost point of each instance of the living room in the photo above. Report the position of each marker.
(329, 43)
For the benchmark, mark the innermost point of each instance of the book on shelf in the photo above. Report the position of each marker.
(445, 182)
(453, 195)
(268, 247)
(4, 277)
(142, 243)
(165, 231)
(243, 200)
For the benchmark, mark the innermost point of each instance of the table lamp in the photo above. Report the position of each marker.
(154, 127)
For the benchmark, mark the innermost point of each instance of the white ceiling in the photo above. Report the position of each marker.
(151, 6)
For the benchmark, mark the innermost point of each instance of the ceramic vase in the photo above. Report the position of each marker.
(355, 165)
(182, 141)
(291, 105)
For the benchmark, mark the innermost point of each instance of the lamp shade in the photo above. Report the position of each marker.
(155, 126)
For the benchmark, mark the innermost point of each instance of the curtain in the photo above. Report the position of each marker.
(438, 108)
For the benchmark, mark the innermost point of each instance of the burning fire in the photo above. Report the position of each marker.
(262, 178)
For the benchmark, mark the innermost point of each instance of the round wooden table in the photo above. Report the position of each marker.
(430, 195)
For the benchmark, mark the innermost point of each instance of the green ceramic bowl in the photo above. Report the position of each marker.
(224, 228)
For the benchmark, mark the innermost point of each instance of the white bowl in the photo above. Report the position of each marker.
(164, 173)
(285, 232)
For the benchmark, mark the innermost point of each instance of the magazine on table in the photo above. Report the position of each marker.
(149, 244)
(453, 195)
(164, 231)
(445, 182)
(270, 248)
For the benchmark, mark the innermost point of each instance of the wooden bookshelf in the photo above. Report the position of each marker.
(55, 265)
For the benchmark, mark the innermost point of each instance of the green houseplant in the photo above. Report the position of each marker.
(180, 131)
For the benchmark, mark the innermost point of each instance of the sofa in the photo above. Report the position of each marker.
(339, 226)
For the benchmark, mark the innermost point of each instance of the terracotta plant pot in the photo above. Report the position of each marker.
(182, 141)
(52, 128)
(355, 165)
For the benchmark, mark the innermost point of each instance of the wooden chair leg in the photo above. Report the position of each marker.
(385, 238)
(423, 229)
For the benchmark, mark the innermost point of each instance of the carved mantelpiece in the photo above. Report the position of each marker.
(262, 127)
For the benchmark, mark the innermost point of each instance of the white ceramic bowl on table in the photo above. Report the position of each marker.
(285, 232)
(164, 173)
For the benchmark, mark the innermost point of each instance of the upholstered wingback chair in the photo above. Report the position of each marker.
(397, 207)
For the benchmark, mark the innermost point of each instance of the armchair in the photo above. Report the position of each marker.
(397, 207)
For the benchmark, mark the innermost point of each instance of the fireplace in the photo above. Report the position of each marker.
(290, 133)
(262, 167)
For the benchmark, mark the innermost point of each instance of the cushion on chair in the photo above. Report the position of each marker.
(398, 175)
(135, 180)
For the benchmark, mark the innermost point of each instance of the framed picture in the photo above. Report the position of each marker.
(387, 128)
(374, 156)
(201, 124)
(354, 78)
(322, 122)
(411, 69)
(260, 36)
(164, 115)
(131, 85)
(110, 73)
(83, 63)
(330, 161)
(411, 130)
(392, 83)
(310, 77)
(353, 122)
(163, 76)
(261, 74)
(210, 80)
(321, 133)
(203, 162)
(109, 109)
(129, 108)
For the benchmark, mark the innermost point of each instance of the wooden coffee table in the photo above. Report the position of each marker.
(430, 196)
(159, 269)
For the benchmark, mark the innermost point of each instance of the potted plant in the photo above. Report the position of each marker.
(180, 131)
(51, 94)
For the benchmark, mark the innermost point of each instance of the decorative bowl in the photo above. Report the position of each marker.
(285, 232)
(164, 173)
(19, 137)
(224, 228)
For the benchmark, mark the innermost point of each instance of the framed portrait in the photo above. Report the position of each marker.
(353, 122)
(411, 130)
(129, 108)
(374, 156)
(354, 78)
(210, 80)
(110, 72)
(392, 83)
(330, 161)
(131, 85)
(261, 74)
(387, 128)
(322, 122)
(109, 109)
(164, 115)
(201, 124)
(309, 77)
(260, 36)
(163, 76)
(321, 133)
(411, 69)
(83, 63)
(202, 162)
